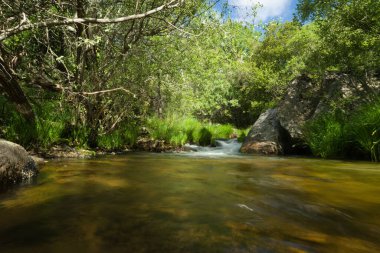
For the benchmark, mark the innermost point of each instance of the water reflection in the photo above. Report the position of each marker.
(174, 203)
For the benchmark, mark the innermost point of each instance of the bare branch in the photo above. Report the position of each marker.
(4, 34)
(179, 29)
(106, 91)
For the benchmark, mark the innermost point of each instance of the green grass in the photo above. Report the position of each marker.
(347, 136)
(364, 128)
(325, 136)
(220, 131)
(125, 136)
(242, 133)
(180, 130)
(49, 132)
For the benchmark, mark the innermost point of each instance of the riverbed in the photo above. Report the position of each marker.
(142, 202)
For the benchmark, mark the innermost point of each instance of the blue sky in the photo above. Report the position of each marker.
(271, 9)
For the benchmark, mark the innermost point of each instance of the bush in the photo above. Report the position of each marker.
(49, 132)
(355, 135)
(17, 130)
(125, 135)
(325, 136)
(205, 137)
(181, 130)
(365, 129)
(221, 131)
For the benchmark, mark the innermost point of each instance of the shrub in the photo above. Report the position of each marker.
(221, 131)
(354, 135)
(49, 132)
(125, 135)
(205, 137)
(365, 129)
(181, 130)
(325, 136)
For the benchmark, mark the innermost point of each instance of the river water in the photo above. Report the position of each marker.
(196, 202)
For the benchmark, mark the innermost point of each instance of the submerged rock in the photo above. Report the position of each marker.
(15, 163)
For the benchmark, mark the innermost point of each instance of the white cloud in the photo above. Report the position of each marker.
(269, 9)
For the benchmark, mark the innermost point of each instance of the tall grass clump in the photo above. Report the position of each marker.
(111, 141)
(51, 126)
(176, 131)
(49, 132)
(125, 136)
(181, 130)
(364, 128)
(191, 127)
(17, 130)
(220, 132)
(355, 135)
(325, 136)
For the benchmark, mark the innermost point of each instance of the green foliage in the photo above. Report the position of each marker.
(209, 61)
(16, 129)
(213, 69)
(325, 136)
(112, 141)
(124, 136)
(49, 133)
(205, 137)
(242, 133)
(355, 135)
(176, 131)
(180, 130)
(349, 32)
(365, 129)
(219, 131)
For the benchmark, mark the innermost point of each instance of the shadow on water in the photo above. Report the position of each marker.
(171, 203)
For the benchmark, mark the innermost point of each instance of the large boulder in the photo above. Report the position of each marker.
(280, 130)
(298, 105)
(266, 136)
(306, 99)
(15, 163)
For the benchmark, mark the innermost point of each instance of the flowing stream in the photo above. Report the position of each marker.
(223, 148)
(211, 200)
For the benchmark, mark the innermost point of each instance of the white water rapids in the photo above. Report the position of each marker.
(223, 147)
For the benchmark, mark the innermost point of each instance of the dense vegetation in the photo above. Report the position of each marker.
(180, 70)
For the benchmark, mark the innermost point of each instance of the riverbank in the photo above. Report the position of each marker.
(66, 151)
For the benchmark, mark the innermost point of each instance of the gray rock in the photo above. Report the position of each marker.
(15, 163)
(266, 136)
(306, 100)
(298, 105)
(280, 130)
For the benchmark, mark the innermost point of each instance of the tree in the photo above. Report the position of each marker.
(350, 31)
(62, 47)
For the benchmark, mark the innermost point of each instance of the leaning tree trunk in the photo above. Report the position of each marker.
(10, 85)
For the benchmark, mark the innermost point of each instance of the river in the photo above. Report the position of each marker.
(196, 202)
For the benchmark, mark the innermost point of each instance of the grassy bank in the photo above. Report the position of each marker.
(341, 135)
(178, 131)
(57, 131)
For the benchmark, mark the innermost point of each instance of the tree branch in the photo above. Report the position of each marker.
(4, 34)
(106, 91)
